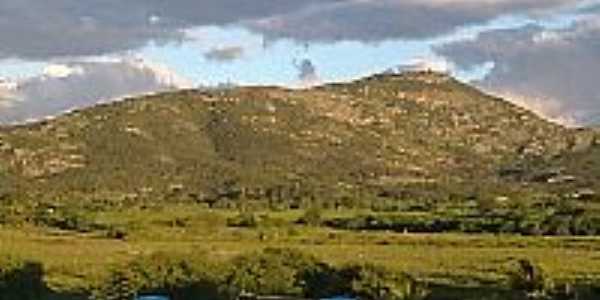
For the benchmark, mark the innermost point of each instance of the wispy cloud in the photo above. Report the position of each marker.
(225, 54)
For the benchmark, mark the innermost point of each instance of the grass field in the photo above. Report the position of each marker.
(74, 261)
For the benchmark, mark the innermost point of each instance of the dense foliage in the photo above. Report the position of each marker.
(281, 272)
(548, 221)
(277, 272)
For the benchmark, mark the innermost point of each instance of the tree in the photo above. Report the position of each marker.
(272, 272)
(21, 280)
(371, 282)
(312, 216)
(120, 286)
(528, 277)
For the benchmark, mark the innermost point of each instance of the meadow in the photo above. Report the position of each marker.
(74, 261)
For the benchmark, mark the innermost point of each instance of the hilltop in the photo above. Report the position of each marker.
(420, 136)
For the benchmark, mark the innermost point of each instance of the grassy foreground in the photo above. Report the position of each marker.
(75, 261)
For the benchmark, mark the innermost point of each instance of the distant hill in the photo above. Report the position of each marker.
(416, 136)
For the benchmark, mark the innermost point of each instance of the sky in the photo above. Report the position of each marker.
(60, 55)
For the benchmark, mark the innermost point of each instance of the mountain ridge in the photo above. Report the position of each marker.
(384, 138)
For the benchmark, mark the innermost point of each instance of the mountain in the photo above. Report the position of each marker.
(420, 136)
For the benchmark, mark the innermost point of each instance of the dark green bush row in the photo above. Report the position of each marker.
(525, 224)
(277, 272)
(280, 272)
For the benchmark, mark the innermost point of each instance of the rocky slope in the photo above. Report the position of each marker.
(414, 136)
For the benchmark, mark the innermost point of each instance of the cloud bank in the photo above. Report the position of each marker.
(34, 29)
(552, 71)
(80, 84)
(378, 20)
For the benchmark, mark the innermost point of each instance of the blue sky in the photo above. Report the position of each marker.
(93, 51)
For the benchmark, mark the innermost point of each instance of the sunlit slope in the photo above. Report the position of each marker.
(415, 136)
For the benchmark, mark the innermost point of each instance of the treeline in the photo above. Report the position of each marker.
(272, 272)
(566, 221)
(530, 223)
(280, 272)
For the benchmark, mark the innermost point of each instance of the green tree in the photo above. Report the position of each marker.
(528, 277)
(313, 216)
(21, 280)
(271, 272)
(371, 282)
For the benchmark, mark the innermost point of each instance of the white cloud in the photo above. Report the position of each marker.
(548, 108)
(164, 75)
(548, 36)
(7, 92)
(80, 84)
(62, 71)
(154, 20)
(429, 63)
(7, 85)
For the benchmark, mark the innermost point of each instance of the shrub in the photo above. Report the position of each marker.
(528, 277)
(312, 216)
(243, 219)
(122, 285)
(371, 282)
(21, 280)
(73, 219)
(117, 232)
(276, 272)
(177, 276)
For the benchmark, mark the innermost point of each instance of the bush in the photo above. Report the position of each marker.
(291, 273)
(72, 219)
(278, 272)
(272, 272)
(179, 277)
(371, 282)
(312, 216)
(528, 277)
(243, 219)
(21, 280)
(117, 232)
(122, 285)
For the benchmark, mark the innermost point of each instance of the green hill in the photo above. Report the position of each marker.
(420, 137)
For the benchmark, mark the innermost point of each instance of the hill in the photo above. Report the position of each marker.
(416, 137)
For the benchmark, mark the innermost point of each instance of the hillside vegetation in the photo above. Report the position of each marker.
(422, 137)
